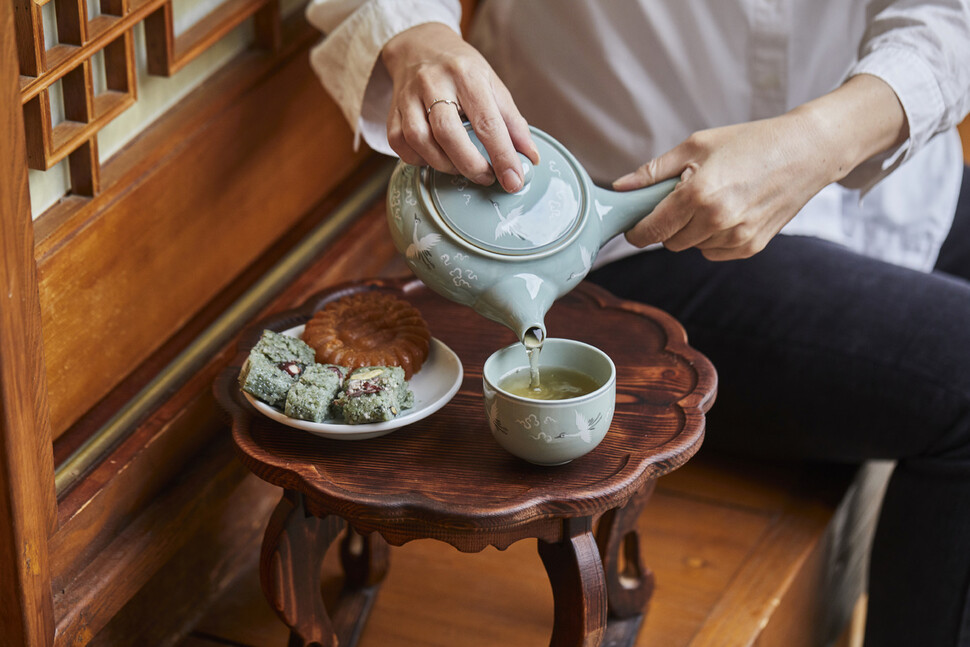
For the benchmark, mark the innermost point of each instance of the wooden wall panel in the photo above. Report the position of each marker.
(131, 540)
(180, 232)
(227, 542)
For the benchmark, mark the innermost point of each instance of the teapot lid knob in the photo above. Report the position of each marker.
(528, 170)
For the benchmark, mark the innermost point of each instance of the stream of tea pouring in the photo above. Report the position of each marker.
(532, 340)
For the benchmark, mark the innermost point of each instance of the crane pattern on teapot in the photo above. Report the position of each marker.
(420, 247)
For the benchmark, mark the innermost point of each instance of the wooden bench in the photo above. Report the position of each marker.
(744, 553)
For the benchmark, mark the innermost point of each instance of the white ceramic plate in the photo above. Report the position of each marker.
(433, 387)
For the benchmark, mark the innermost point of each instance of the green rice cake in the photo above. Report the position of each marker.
(266, 380)
(275, 363)
(310, 398)
(282, 348)
(374, 394)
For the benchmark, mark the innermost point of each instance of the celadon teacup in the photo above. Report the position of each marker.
(550, 432)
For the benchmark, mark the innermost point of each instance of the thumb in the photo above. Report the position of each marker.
(670, 164)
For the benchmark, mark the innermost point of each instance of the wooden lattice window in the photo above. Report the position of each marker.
(87, 63)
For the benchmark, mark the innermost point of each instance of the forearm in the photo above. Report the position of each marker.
(356, 32)
(853, 123)
(921, 49)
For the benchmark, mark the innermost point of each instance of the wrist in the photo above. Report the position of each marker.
(857, 121)
(402, 46)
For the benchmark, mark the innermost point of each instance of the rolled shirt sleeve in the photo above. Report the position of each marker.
(922, 51)
(347, 59)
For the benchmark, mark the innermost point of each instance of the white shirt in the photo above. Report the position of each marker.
(621, 81)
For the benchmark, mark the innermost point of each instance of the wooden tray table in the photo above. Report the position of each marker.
(446, 478)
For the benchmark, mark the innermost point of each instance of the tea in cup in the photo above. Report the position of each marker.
(563, 417)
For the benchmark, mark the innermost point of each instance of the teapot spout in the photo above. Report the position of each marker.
(520, 302)
(534, 336)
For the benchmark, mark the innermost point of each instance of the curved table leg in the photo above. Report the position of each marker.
(290, 568)
(365, 559)
(578, 586)
(629, 583)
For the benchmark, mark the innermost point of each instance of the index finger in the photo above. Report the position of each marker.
(671, 215)
(451, 137)
(489, 124)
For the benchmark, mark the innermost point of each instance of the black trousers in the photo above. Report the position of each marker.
(826, 355)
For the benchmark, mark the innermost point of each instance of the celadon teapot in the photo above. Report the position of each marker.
(510, 256)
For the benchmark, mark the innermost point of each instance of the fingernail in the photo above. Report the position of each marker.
(511, 181)
(485, 179)
(624, 181)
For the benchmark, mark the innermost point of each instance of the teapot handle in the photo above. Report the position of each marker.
(621, 210)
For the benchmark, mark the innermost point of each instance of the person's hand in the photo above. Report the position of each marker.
(741, 184)
(432, 69)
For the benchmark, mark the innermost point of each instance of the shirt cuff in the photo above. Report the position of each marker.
(347, 60)
(919, 93)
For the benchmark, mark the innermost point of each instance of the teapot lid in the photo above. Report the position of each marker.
(542, 215)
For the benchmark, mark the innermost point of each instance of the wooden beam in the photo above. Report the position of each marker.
(27, 504)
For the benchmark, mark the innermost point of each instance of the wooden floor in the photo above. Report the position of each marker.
(735, 550)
